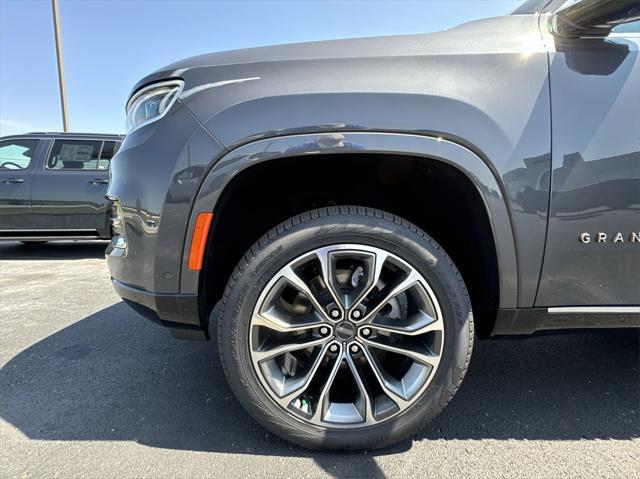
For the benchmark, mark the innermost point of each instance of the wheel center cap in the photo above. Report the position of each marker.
(345, 330)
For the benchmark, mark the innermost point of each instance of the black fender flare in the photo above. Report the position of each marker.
(471, 164)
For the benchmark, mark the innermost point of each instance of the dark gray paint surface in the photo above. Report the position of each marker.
(485, 87)
(147, 177)
(68, 199)
(418, 84)
(596, 174)
(483, 84)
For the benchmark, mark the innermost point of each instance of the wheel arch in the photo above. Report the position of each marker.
(221, 178)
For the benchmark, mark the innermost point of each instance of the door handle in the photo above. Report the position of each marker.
(98, 181)
(10, 181)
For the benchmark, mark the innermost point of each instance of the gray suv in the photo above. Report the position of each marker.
(352, 214)
(53, 186)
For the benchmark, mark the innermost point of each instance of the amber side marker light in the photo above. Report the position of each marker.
(199, 240)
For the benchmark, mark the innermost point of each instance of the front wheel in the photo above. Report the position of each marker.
(345, 328)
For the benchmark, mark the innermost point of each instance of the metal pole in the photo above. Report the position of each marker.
(63, 96)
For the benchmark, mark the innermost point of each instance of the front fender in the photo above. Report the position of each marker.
(302, 146)
(494, 101)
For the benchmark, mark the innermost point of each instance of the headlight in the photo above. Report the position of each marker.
(151, 103)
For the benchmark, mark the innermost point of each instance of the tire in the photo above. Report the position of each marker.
(344, 225)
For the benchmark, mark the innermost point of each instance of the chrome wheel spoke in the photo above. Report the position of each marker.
(322, 403)
(270, 319)
(365, 406)
(297, 282)
(410, 279)
(391, 389)
(425, 358)
(327, 274)
(269, 353)
(301, 384)
(415, 325)
(380, 258)
(348, 285)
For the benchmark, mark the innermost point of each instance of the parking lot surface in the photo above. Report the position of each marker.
(90, 389)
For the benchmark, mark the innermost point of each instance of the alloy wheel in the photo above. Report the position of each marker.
(346, 336)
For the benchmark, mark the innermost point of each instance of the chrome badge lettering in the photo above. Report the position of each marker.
(618, 237)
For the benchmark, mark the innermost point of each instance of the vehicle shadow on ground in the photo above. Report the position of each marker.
(115, 376)
(14, 251)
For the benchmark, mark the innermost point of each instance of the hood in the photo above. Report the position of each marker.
(497, 33)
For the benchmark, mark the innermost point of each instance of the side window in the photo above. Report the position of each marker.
(17, 154)
(74, 155)
(108, 150)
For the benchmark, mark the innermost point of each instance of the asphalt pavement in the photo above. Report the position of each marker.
(88, 388)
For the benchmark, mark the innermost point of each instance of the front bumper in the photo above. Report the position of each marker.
(169, 310)
(155, 177)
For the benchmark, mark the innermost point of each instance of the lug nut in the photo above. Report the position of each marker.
(324, 330)
(334, 348)
(366, 332)
(355, 349)
(357, 314)
(335, 313)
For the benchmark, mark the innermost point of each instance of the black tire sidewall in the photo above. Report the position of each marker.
(307, 233)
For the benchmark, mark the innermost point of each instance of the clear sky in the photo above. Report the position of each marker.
(109, 45)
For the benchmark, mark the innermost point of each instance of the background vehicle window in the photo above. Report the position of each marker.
(17, 154)
(74, 155)
(108, 150)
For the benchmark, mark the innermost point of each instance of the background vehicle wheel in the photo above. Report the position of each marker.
(345, 328)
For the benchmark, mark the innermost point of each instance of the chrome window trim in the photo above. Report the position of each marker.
(115, 150)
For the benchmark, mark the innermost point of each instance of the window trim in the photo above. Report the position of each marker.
(35, 152)
(52, 141)
(116, 146)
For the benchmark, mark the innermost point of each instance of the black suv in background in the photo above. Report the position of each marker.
(53, 186)
(360, 210)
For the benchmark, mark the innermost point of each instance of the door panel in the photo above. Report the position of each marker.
(593, 241)
(68, 193)
(17, 158)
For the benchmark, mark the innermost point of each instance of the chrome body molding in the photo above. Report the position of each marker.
(594, 310)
